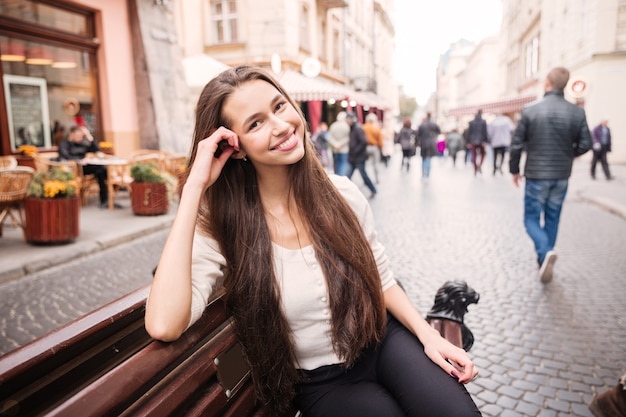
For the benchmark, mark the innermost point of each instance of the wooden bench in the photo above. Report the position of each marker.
(105, 364)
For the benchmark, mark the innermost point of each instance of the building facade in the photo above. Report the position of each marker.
(329, 54)
(122, 67)
(586, 36)
(95, 63)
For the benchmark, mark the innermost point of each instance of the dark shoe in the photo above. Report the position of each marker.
(547, 267)
(611, 403)
(115, 205)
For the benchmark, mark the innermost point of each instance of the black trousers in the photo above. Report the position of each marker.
(100, 172)
(395, 380)
(498, 151)
(600, 156)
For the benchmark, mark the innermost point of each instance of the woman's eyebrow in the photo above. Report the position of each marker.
(249, 119)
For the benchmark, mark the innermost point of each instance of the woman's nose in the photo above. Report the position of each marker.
(279, 126)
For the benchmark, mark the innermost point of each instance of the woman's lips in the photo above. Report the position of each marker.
(287, 144)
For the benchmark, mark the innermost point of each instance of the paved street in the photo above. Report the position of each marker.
(542, 350)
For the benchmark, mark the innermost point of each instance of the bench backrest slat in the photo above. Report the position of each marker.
(105, 364)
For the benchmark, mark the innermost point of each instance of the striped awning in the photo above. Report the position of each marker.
(303, 88)
(504, 106)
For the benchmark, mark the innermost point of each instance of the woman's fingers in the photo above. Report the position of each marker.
(211, 156)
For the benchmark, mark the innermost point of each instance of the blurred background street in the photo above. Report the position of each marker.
(542, 350)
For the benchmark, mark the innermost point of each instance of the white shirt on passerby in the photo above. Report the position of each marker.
(500, 131)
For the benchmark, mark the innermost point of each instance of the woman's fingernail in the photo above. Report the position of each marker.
(454, 374)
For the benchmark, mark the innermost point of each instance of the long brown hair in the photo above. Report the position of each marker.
(232, 213)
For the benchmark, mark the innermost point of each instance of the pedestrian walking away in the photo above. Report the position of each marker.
(427, 134)
(500, 131)
(339, 143)
(323, 323)
(454, 144)
(477, 138)
(406, 138)
(601, 137)
(374, 136)
(357, 154)
(553, 132)
(320, 141)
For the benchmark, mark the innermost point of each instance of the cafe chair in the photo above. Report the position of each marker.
(13, 188)
(7, 162)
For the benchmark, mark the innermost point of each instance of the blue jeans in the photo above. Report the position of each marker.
(543, 197)
(366, 179)
(426, 162)
(340, 162)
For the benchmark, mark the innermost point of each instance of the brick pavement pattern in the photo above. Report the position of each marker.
(542, 350)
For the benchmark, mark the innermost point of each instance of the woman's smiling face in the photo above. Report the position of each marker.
(270, 130)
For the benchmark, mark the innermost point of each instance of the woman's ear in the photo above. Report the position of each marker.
(239, 155)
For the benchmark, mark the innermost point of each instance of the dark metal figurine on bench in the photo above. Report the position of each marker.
(105, 364)
(448, 312)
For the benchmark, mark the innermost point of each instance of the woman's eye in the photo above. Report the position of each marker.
(280, 105)
(254, 125)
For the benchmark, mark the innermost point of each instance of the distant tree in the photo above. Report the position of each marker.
(408, 106)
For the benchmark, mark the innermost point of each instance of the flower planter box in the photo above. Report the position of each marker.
(52, 220)
(149, 198)
(26, 161)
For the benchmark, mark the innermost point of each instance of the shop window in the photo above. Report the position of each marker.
(224, 17)
(47, 89)
(53, 16)
(48, 79)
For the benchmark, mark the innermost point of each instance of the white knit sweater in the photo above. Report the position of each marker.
(303, 287)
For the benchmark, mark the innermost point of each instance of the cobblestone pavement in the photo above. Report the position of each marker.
(39, 303)
(542, 350)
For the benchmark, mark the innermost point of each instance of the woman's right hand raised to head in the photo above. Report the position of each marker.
(208, 165)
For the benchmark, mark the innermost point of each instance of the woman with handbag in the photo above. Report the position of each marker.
(406, 138)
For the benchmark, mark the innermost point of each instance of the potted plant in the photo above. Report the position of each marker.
(52, 207)
(148, 190)
(25, 155)
(106, 147)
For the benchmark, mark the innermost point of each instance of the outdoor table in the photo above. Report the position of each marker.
(116, 172)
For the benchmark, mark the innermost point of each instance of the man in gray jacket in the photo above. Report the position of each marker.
(553, 132)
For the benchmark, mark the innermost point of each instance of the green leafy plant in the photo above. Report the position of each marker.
(56, 183)
(146, 173)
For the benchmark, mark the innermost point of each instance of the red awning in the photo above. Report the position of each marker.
(504, 106)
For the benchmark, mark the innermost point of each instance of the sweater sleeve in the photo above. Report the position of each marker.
(517, 145)
(207, 273)
(361, 208)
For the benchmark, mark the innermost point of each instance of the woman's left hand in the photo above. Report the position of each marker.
(454, 360)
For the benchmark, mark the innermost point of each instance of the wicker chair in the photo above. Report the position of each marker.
(7, 162)
(13, 188)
